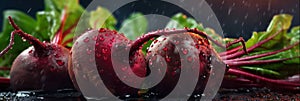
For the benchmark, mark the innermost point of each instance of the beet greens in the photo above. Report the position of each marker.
(273, 55)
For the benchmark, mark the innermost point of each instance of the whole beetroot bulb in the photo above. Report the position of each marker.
(182, 52)
(43, 66)
(94, 56)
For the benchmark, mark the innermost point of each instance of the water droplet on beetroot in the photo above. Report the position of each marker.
(164, 38)
(98, 55)
(105, 57)
(88, 51)
(168, 59)
(101, 38)
(150, 62)
(104, 50)
(190, 59)
(94, 38)
(109, 44)
(60, 62)
(30, 51)
(151, 46)
(200, 42)
(52, 69)
(124, 68)
(86, 39)
(176, 42)
(174, 73)
(102, 30)
(165, 49)
(56, 56)
(112, 39)
(184, 51)
(115, 32)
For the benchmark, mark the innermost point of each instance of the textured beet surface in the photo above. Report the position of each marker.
(174, 49)
(30, 72)
(95, 49)
(40, 67)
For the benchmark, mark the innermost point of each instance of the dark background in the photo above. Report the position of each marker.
(237, 17)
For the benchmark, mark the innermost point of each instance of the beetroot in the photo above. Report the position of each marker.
(96, 49)
(163, 49)
(40, 67)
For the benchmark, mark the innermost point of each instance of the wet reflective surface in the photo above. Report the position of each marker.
(223, 94)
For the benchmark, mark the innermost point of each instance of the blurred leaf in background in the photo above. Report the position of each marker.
(27, 24)
(102, 18)
(180, 21)
(44, 27)
(135, 26)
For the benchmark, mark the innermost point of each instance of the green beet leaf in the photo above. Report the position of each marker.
(134, 26)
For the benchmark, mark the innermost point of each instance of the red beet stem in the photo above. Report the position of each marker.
(67, 41)
(256, 62)
(11, 42)
(141, 40)
(238, 83)
(59, 34)
(240, 53)
(240, 40)
(195, 30)
(4, 80)
(4, 68)
(65, 33)
(230, 51)
(264, 54)
(266, 81)
(39, 46)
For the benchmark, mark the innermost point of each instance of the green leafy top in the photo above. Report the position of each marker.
(44, 27)
(102, 18)
(134, 26)
(280, 23)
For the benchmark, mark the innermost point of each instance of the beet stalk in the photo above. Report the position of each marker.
(41, 67)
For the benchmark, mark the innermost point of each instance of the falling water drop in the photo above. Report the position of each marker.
(229, 11)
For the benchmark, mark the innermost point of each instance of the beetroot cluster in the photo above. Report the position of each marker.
(50, 66)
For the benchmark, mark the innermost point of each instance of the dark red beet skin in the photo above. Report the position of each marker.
(96, 49)
(47, 72)
(174, 49)
(40, 67)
